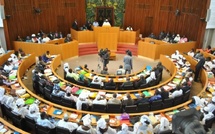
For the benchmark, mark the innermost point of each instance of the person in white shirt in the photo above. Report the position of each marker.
(66, 67)
(8, 66)
(129, 28)
(103, 128)
(2, 51)
(152, 76)
(2, 91)
(211, 105)
(124, 130)
(95, 23)
(82, 99)
(206, 115)
(70, 96)
(20, 108)
(64, 123)
(97, 80)
(43, 121)
(175, 55)
(106, 23)
(33, 111)
(114, 100)
(177, 92)
(163, 126)
(100, 100)
(191, 53)
(86, 127)
(144, 126)
(120, 71)
(177, 38)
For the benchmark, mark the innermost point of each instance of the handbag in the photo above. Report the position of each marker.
(124, 116)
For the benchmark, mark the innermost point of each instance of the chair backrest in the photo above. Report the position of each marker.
(97, 86)
(144, 85)
(61, 130)
(44, 130)
(166, 132)
(7, 110)
(98, 108)
(128, 87)
(152, 83)
(114, 108)
(30, 122)
(80, 132)
(178, 100)
(143, 107)
(131, 109)
(156, 105)
(167, 102)
(110, 87)
(81, 83)
(17, 120)
(84, 107)
(47, 93)
(67, 102)
(56, 99)
(71, 79)
(208, 123)
(186, 96)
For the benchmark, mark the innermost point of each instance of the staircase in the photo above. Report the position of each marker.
(85, 49)
(121, 48)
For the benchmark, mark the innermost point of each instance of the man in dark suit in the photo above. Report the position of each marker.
(75, 25)
(105, 58)
(199, 66)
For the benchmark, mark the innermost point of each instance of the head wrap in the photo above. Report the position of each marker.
(33, 108)
(86, 120)
(20, 102)
(164, 123)
(102, 123)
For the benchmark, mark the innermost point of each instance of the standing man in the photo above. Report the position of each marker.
(75, 25)
(128, 62)
(199, 66)
(106, 57)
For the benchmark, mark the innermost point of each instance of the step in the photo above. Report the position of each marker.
(87, 52)
(88, 49)
(87, 46)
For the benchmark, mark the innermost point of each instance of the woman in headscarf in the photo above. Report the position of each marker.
(33, 111)
(124, 130)
(103, 128)
(163, 126)
(20, 108)
(86, 127)
(82, 99)
(144, 126)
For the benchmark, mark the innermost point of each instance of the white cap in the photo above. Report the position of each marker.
(124, 127)
(213, 98)
(144, 118)
(33, 108)
(33, 35)
(206, 109)
(20, 102)
(102, 123)
(164, 122)
(86, 121)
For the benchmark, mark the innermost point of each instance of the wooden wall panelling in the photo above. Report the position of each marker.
(56, 15)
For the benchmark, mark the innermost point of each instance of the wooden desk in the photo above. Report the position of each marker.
(10, 128)
(128, 37)
(66, 50)
(4, 57)
(161, 47)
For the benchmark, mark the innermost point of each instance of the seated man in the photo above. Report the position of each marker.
(100, 100)
(156, 96)
(110, 83)
(64, 123)
(141, 81)
(127, 83)
(97, 80)
(106, 23)
(120, 71)
(43, 121)
(105, 71)
(177, 92)
(114, 100)
(141, 99)
(70, 73)
(127, 100)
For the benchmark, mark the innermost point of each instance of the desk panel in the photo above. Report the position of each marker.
(4, 57)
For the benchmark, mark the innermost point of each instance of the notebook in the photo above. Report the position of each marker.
(57, 112)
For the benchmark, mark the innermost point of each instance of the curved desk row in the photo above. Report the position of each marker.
(66, 50)
(5, 57)
(167, 63)
(30, 60)
(160, 47)
(10, 128)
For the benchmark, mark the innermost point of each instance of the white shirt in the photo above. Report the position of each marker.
(80, 102)
(8, 68)
(109, 131)
(151, 77)
(137, 129)
(98, 81)
(68, 125)
(177, 93)
(2, 51)
(91, 130)
(45, 123)
(190, 53)
(95, 24)
(106, 23)
(46, 39)
(102, 102)
(211, 107)
(207, 117)
(2, 91)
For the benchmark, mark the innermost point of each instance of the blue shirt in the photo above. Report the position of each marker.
(154, 98)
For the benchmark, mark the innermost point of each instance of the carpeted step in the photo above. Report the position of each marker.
(85, 49)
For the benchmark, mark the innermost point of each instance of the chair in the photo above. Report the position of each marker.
(97, 86)
(61, 130)
(208, 124)
(41, 87)
(159, 77)
(3, 110)
(44, 130)
(144, 85)
(47, 93)
(152, 83)
(30, 122)
(156, 105)
(177, 100)
(85, 107)
(81, 83)
(186, 96)
(17, 120)
(98, 108)
(167, 102)
(8, 113)
(143, 107)
(127, 87)
(80, 132)
(114, 108)
(67, 102)
(56, 99)
(110, 87)
(71, 79)
(166, 132)
(131, 109)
